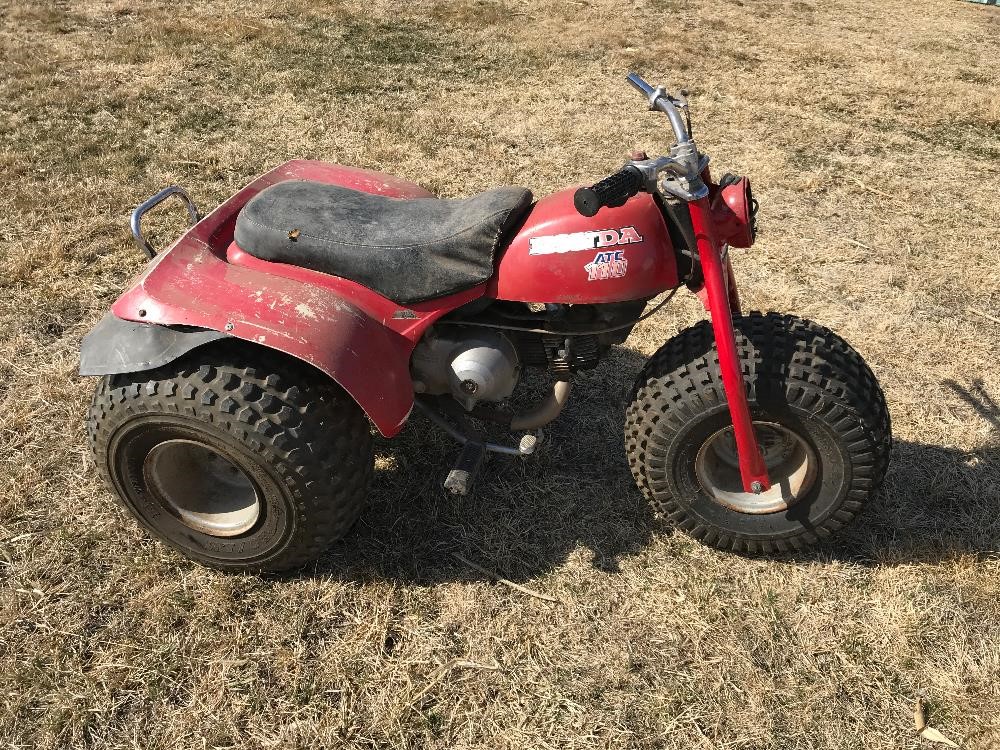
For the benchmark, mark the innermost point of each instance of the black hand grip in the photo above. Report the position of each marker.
(611, 191)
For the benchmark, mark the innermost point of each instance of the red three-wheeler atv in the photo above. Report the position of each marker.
(240, 370)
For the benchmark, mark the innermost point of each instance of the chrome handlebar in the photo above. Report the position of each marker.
(678, 174)
(660, 99)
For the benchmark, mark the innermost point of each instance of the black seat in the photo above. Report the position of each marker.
(406, 250)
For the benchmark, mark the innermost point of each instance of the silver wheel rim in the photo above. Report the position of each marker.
(202, 488)
(791, 465)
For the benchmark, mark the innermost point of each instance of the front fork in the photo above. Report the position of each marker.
(753, 470)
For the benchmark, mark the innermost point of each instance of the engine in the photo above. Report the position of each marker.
(472, 367)
(481, 358)
(561, 355)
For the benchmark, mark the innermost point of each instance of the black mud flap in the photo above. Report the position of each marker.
(117, 346)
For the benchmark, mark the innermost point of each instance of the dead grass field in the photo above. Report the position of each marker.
(872, 132)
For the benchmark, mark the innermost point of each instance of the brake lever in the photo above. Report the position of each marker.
(681, 102)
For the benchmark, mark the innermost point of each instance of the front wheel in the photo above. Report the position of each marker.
(821, 421)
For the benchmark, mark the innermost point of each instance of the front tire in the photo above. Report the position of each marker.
(236, 456)
(819, 414)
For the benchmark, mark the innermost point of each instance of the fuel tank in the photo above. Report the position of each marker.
(620, 254)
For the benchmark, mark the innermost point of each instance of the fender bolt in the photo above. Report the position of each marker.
(757, 487)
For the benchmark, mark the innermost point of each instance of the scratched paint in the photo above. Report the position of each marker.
(306, 311)
(191, 283)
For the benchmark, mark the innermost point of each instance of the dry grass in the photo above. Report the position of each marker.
(872, 131)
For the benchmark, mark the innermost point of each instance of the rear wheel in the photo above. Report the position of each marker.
(819, 415)
(236, 456)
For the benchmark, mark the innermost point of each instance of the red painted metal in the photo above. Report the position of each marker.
(409, 321)
(734, 295)
(191, 285)
(561, 277)
(731, 214)
(364, 341)
(340, 328)
(752, 467)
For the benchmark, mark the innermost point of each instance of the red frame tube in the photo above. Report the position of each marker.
(753, 471)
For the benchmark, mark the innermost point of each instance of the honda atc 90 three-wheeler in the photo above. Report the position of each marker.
(240, 371)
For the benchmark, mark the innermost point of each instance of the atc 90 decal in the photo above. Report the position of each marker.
(579, 241)
(608, 265)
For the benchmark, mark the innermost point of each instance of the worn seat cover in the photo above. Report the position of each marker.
(406, 250)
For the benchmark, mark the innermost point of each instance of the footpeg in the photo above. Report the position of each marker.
(530, 442)
(463, 476)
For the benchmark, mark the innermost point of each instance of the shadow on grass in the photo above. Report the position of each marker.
(527, 516)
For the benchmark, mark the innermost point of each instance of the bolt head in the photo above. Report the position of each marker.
(757, 487)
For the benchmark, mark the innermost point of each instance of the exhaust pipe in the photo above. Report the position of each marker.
(545, 411)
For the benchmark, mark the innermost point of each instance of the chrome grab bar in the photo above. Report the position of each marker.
(136, 221)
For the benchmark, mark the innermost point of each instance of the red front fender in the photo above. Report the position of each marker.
(346, 331)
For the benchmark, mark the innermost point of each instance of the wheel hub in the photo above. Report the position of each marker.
(203, 488)
(791, 465)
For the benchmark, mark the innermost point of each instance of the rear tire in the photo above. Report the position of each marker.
(813, 400)
(238, 457)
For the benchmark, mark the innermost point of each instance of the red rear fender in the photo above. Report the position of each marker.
(191, 286)
(360, 339)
